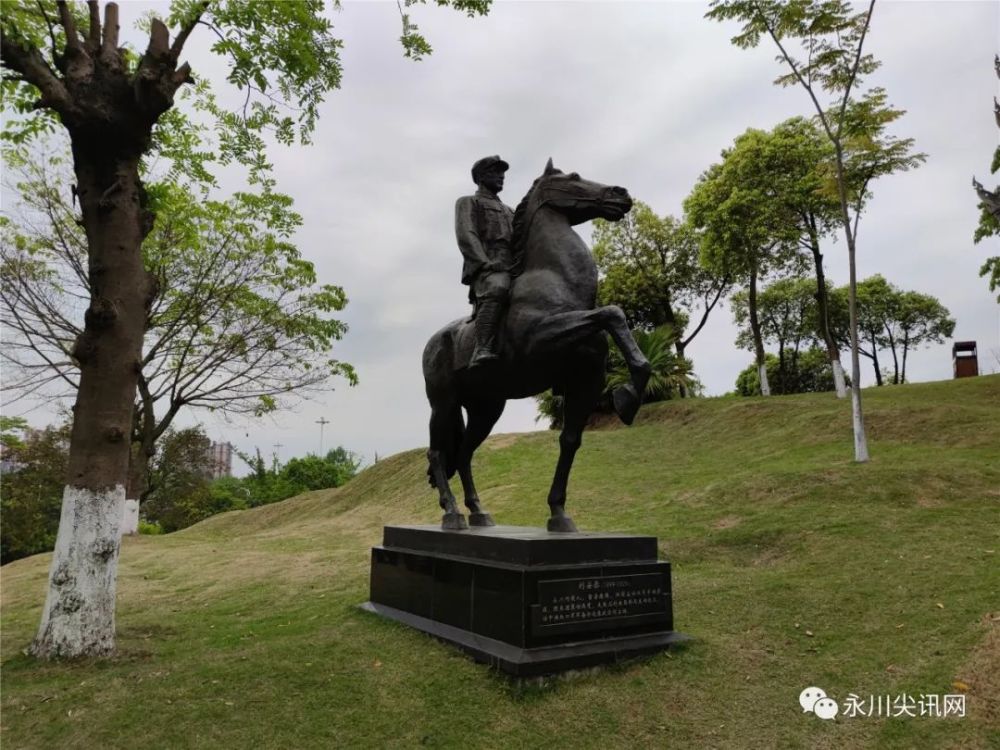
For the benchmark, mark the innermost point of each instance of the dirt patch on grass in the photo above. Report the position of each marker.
(501, 441)
(982, 674)
(727, 522)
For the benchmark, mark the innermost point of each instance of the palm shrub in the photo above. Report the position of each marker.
(670, 374)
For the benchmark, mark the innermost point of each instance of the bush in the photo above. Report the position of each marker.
(146, 527)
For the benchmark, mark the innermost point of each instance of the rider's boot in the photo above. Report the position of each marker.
(487, 324)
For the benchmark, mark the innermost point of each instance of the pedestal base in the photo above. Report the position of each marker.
(525, 600)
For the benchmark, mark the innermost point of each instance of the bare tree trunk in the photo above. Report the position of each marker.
(140, 455)
(682, 390)
(782, 367)
(79, 614)
(895, 359)
(823, 308)
(666, 315)
(875, 364)
(758, 342)
(906, 346)
(857, 417)
(681, 345)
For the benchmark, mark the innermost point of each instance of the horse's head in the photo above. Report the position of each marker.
(579, 199)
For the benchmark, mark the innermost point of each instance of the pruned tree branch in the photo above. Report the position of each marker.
(29, 63)
(94, 32)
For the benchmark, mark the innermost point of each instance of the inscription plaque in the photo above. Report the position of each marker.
(580, 604)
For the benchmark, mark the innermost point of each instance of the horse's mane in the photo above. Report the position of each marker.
(521, 216)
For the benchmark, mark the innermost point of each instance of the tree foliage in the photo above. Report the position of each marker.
(239, 323)
(989, 207)
(312, 472)
(788, 318)
(747, 234)
(892, 320)
(650, 268)
(31, 490)
(179, 480)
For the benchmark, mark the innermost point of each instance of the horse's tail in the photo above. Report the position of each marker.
(447, 427)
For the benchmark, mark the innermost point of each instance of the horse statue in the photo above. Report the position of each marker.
(553, 337)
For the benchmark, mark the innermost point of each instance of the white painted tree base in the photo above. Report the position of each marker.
(130, 517)
(839, 382)
(860, 440)
(79, 615)
(765, 387)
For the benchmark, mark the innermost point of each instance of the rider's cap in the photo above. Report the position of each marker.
(485, 163)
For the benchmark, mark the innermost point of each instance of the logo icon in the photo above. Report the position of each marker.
(814, 700)
(826, 708)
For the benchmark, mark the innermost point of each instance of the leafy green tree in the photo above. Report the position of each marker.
(179, 480)
(794, 161)
(787, 315)
(894, 320)
(989, 207)
(62, 64)
(875, 301)
(746, 234)
(650, 268)
(239, 323)
(831, 60)
(920, 319)
(31, 490)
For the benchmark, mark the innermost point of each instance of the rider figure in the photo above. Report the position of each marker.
(483, 226)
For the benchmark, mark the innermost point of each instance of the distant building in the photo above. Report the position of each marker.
(221, 460)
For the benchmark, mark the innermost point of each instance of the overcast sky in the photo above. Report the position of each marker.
(643, 95)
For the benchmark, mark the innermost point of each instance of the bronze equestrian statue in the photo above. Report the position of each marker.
(553, 336)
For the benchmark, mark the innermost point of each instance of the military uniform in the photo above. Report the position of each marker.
(483, 227)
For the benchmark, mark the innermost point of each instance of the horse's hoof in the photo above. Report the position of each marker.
(561, 524)
(626, 402)
(453, 522)
(481, 519)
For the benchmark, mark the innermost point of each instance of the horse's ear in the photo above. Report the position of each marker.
(549, 167)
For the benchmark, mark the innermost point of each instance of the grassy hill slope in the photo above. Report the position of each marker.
(792, 567)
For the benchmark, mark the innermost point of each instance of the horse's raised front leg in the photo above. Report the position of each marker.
(482, 416)
(567, 329)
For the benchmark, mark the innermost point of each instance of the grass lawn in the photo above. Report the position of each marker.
(792, 567)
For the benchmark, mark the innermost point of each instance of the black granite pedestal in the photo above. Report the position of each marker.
(525, 600)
